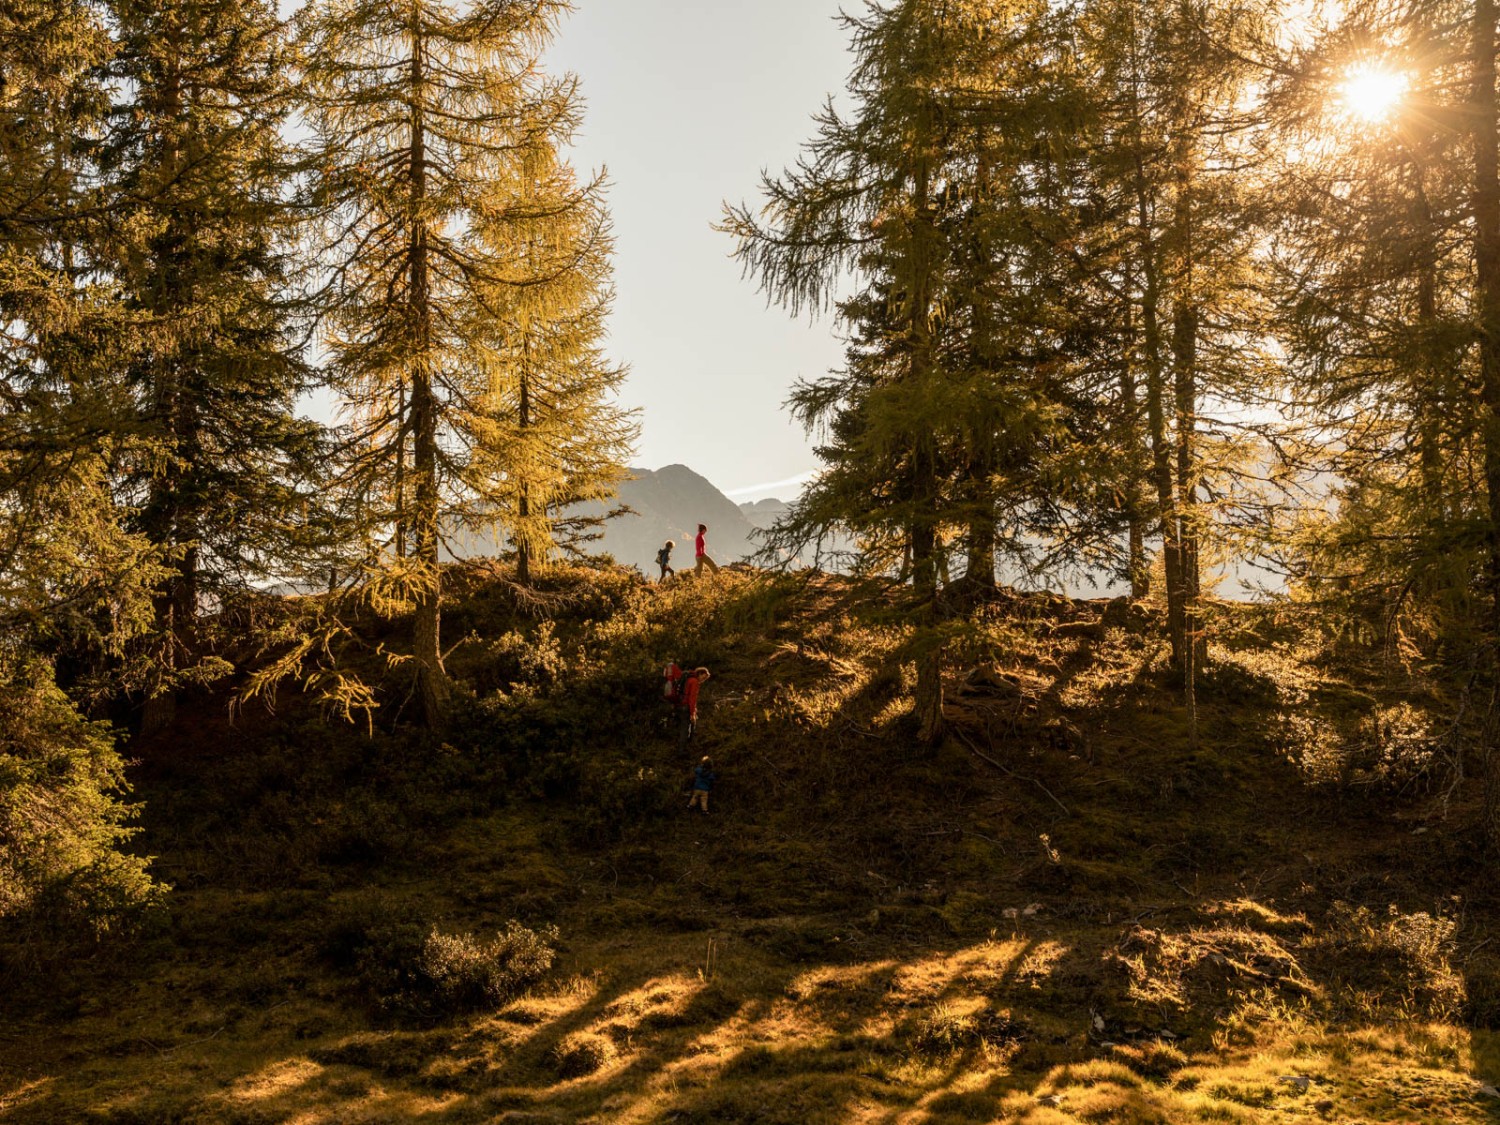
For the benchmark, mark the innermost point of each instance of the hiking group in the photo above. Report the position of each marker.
(700, 553)
(680, 689)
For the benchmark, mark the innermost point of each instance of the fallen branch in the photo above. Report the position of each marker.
(978, 753)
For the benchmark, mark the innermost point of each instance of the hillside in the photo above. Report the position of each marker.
(1066, 913)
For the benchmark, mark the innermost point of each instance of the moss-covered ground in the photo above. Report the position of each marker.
(1072, 910)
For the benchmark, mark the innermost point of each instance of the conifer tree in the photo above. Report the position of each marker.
(547, 434)
(935, 428)
(1174, 172)
(1379, 314)
(72, 579)
(194, 233)
(426, 116)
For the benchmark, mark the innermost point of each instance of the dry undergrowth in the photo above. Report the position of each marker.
(1065, 914)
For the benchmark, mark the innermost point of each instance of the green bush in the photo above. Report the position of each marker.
(427, 974)
(63, 823)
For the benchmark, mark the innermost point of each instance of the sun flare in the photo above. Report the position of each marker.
(1371, 93)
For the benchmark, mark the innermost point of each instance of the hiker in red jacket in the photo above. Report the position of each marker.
(702, 552)
(687, 705)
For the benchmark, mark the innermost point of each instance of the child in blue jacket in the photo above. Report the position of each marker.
(703, 781)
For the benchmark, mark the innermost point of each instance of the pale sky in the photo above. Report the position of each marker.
(687, 100)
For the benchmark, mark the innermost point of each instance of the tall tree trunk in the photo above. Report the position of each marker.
(176, 601)
(1168, 512)
(432, 681)
(1156, 423)
(1185, 388)
(523, 502)
(1486, 206)
(924, 538)
(1487, 268)
(1136, 472)
(982, 534)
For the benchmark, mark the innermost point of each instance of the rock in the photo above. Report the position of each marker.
(1050, 1099)
(1098, 1021)
(1488, 1091)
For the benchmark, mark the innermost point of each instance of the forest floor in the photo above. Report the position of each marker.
(1071, 911)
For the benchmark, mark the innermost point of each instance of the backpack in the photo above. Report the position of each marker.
(662, 556)
(671, 682)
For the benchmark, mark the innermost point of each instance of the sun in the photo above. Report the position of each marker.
(1370, 92)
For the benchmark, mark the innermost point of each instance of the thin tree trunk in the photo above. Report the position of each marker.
(1135, 469)
(1156, 422)
(924, 539)
(523, 502)
(1487, 268)
(432, 681)
(176, 600)
(401, 471)
(982, 533)
(1161, 446)
(1185, 387)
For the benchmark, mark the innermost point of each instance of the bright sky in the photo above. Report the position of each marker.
(686, 103)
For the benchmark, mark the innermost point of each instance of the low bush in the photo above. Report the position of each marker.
(416, 971)
(949, 1030)
(1393, 960)
(583, 1053)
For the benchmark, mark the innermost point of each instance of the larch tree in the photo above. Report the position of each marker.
(925, 202)
(1379, 301)
(1175, 173)
(548, 434)
(1391, 315)
(426, 116)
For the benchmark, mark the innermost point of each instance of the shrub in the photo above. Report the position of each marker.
(1394, 960)
(63, 823)
(425, 973)
(948, 1030)
(583, 1053)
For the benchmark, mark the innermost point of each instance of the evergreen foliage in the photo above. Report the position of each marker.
(547, 435)
(62, 822)
(193, 232)
(442, 202)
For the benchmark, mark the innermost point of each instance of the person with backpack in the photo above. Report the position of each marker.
(687, 704)
(671, 682)
(702, 552)
(664, 560)
(703, 781)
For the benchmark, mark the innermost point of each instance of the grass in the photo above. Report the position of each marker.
(1064, 914)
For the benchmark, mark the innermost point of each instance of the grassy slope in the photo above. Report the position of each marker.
(1064, 914)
